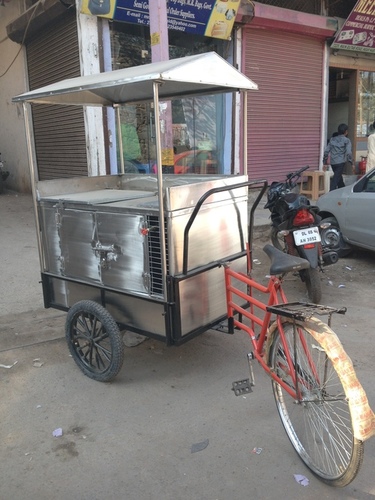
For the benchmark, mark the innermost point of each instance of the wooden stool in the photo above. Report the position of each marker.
(314, 187)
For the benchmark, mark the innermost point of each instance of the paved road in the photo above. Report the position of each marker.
(136, 438)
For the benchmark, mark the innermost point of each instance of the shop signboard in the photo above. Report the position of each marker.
(214, 18)
(358, 31)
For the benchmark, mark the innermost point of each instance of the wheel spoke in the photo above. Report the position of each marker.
(319, 423)
(94, 340)
(81, 328)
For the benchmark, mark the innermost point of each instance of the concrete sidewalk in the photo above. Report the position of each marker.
(19, 261)
(169, 427)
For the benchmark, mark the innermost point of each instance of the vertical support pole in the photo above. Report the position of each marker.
(244, 128)
(160, 188)
(119, 138)
(33, 177)
(159, 30)
(160, 52)
(324, 110)
(163, 117)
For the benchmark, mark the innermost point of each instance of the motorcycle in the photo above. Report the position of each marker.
(296, 229)
(3, 175)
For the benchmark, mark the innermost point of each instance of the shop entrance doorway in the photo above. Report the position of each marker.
(343, 108)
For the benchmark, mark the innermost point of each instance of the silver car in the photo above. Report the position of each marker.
(350, 211)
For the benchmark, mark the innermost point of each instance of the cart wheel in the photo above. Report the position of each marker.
(94, 340)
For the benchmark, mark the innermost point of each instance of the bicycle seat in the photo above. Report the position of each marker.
(284, 263)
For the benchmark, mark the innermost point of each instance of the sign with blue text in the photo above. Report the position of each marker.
(214, 18)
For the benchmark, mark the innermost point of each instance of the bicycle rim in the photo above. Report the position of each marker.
(319, 424)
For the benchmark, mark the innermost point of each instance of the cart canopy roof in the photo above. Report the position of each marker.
(199, 74)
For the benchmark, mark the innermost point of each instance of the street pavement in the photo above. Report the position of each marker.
(169, 427)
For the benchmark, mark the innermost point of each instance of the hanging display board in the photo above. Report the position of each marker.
(358, 31)
(214, 18)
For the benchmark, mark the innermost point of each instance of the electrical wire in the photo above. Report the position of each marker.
(40, 2)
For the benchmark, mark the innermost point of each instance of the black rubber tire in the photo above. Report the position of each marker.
(277, 241)
(319, 425)
(313, 284)
(332, 238)
(94, 340)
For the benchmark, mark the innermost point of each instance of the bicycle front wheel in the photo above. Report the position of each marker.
(318, 424)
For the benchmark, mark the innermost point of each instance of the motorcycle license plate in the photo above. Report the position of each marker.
(308, 235)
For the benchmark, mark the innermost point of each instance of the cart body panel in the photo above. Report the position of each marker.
(139, 252)
(109, 239)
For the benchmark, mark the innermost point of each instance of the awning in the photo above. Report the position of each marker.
(199, 74)
(278, 18)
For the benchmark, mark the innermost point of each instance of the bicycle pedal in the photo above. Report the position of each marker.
(242, 387)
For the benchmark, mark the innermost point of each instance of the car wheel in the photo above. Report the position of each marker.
(332, 238)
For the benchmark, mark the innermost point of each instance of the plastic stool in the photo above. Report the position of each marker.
(314, 187)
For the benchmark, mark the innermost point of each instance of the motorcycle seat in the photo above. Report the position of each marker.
(282, 263)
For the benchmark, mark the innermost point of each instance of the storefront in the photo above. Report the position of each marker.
(60, 142)
(52, 52)
(62, 43)
(286, 54)
(201, 126)
(198, 131)
(352, 77)
(306, 89)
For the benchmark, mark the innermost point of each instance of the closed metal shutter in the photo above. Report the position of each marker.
(284, 115)
(59, 130)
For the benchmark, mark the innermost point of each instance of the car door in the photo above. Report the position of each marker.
(360, 209)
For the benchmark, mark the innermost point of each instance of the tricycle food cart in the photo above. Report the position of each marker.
(139, 252)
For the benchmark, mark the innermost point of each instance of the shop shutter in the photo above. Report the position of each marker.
(284, 115)
(59, 131)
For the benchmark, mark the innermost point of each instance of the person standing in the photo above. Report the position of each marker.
(339, 149)
(371, 150)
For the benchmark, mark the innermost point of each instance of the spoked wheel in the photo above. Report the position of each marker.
(319, 424)
(277, 241)
(94, 340)
(313, 284)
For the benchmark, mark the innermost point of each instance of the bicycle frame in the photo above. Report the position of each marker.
(325, 421)
(259, 341)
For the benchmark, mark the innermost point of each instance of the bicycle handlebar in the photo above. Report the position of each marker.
(297, 174)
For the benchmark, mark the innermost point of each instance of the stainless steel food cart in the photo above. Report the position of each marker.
(138, 252)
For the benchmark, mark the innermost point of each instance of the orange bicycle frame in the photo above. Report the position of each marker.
(249, 310)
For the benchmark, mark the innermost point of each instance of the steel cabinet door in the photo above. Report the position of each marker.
(76, 234)
(120, 247)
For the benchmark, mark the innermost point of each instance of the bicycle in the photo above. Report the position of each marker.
(322, 405)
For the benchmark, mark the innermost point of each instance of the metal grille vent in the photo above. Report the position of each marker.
(154, 252)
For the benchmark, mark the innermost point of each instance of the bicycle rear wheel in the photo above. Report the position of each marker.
(319, 424)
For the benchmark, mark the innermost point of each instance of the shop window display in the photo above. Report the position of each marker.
(366, 103)
(200, 135)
